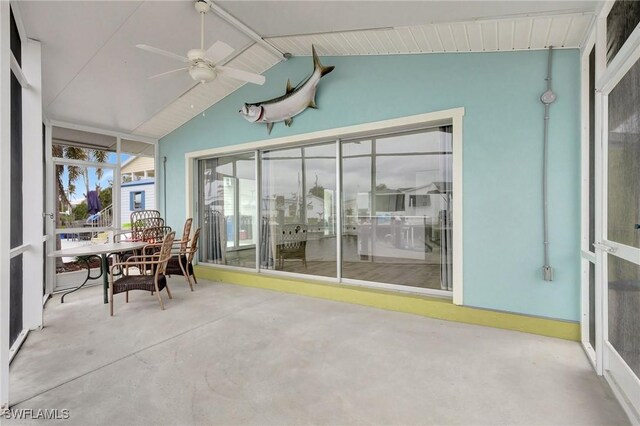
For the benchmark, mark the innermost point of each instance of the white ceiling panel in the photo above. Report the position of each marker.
(421, 38)
(474, 29)
(522, 33)
(108, 86)
(489, 35)
(578, 30)
(540, 32)
(71, 33)
(434, 38)
(93, 74)
(406, 36)
(446, 37)
(506, 31)
(558, 31)
(460, 37)
(279, 18)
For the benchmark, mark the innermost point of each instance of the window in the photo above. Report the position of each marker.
(136, 200)
(391, 194)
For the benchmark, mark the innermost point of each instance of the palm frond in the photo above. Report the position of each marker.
(75, 153)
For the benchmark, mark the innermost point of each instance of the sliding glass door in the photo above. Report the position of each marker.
(298, 210)
(396, 209)
(372, 211)
(228, 210)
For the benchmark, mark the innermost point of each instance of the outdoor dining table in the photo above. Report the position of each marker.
(95, 250)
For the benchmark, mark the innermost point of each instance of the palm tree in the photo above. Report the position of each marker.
(74, 173)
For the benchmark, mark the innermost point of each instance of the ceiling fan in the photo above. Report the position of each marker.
(202, 64)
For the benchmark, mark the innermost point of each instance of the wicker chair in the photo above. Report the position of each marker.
(140, 220)
(291, 243)
(181, 263)
(155, 234)
(186, 231)
(151, 277)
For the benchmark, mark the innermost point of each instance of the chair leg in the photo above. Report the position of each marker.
(126, 297)
(194, 278)
(186, 277)
(166, 286)
(160, 300)
(111, 296)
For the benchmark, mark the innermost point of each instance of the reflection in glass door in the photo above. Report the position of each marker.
(228, 210)
(397, 209)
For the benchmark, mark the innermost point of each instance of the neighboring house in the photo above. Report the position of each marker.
(137, 195)
(136, 168)
(137, 191)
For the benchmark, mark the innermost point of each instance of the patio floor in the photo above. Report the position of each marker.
(229, 354)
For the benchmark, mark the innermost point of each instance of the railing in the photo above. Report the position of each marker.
(102, 219)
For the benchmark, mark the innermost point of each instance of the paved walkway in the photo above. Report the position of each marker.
(228, 354)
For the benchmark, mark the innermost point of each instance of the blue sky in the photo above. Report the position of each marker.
(104, 182)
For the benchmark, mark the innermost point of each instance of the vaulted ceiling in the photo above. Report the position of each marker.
(93, 74)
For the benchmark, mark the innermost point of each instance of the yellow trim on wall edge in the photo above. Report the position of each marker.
(432, 307)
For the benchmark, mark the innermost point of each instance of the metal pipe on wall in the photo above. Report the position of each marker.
(547, 98)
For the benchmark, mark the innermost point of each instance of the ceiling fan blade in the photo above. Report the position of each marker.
(241, 75)
(168, 72)
(218, 51)
(162, 52)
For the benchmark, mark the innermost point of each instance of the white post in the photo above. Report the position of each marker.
(156, 167)
(115, 189)
(5, 188)
(51, 207)
(601, 277)
(32, 185)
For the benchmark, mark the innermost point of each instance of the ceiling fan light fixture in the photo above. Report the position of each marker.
(202, 73)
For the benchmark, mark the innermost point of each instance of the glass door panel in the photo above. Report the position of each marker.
(227, 210)
(396, 209)
(298, 210)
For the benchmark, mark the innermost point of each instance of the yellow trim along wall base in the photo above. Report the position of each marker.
(432, 307)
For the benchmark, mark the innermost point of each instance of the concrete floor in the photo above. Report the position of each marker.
(229, 354)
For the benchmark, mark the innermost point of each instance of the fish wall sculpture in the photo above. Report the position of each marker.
(293, 102)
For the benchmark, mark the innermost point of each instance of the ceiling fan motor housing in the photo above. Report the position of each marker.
(196, 54)
(202, 72)
(202, 6)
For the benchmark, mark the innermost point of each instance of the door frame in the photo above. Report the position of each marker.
(117, 182)
(622, 380)
(587, 254)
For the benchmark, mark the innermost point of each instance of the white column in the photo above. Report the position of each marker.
(115, 189)
(601, 275)
(32, 186)
(5, 189)
(51, 206)
(156, 167)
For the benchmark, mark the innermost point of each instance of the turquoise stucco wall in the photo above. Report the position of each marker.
(502, 155)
